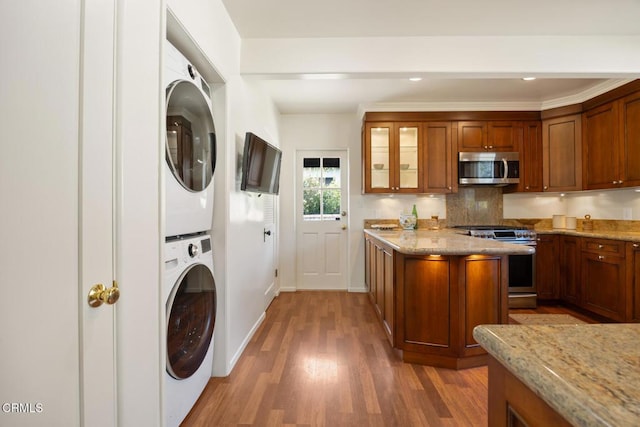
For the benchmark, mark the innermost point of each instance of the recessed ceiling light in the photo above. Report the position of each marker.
(528, 79)
(415, 79)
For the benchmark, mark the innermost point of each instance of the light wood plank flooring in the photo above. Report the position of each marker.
(322, 359)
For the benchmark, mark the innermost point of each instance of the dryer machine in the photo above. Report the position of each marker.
(190, 293)
(190, 148)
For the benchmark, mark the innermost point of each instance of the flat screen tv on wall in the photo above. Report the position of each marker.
(260, 166)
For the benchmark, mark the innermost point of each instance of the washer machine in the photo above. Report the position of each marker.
(190, 147)
(189, 290)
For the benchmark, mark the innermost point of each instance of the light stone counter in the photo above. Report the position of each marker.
(629, 236)
(445, 242)
(590, 374)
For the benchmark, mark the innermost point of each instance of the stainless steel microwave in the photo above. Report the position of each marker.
(495, 168)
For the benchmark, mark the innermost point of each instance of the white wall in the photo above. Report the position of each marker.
(603, 204)
(244, 263)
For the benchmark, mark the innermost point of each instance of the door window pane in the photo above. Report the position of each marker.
(321, 189)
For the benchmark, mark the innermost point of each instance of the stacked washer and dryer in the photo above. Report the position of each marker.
(189, 288)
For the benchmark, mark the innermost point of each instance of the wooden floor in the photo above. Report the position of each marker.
(322, 359)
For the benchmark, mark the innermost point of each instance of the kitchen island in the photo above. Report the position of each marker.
(582, 375)
(431, 288)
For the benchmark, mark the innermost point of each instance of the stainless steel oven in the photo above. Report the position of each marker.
(522, 268)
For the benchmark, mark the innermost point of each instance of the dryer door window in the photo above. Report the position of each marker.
(191, 139)
(191, 315)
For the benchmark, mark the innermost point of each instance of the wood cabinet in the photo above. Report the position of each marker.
(439, 158)
(513, 404)
(531, 158)
(611, 144)
(547, 250)
(562, 153)
(392, 157)
(603, 278)
(569, 274)
(633, 281)
(440, 299)
(472, 136)
(601, 148)
(489, 135)
(598, 275)
(379, 276)
(629, 139)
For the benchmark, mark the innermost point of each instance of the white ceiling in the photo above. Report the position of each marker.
(416, 18)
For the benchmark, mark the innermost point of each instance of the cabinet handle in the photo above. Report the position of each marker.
(546, 188)
(600, 246)
(600, 257)
(526, 188)
(636, 245)
(491, 146)
(620, 182)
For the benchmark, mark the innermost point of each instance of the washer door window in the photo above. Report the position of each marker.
(191, 312)
(191, 138)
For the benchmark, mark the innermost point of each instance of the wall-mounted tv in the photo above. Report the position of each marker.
(260, 166)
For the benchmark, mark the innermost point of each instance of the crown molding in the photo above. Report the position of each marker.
(580, 97)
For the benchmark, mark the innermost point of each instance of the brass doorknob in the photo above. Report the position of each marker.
(99, 295)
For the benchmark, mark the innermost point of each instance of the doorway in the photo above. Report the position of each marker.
(322, 194)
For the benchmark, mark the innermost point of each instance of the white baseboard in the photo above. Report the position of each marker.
(245, 342)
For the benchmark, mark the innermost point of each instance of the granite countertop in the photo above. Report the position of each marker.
(445, 242)
(629, 236)
(588, 373)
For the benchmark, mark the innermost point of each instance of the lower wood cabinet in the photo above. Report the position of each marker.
(633, 280)
(547, 249)
(440, 299)
(569, 274)
(513, 404)
(598, 275)
(379, 280)
(603, 278)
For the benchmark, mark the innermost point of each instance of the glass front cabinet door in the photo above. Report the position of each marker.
(391, 154)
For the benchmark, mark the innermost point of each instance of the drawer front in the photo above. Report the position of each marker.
(601, 246)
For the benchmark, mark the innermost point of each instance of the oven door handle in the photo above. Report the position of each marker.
(506, 168)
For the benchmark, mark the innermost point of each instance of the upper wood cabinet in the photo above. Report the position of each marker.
(629, 113)
(472, 136)
(611, 144)
(489, 135)
(562, 153)
(531, 157)
(392, 157)
(601, 148)
(439, 158)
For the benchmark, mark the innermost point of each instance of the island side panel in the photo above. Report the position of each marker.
(483, 296)
(440, 299)
(511, 403)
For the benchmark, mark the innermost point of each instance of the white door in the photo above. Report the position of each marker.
(321, 219)
(56, 171)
